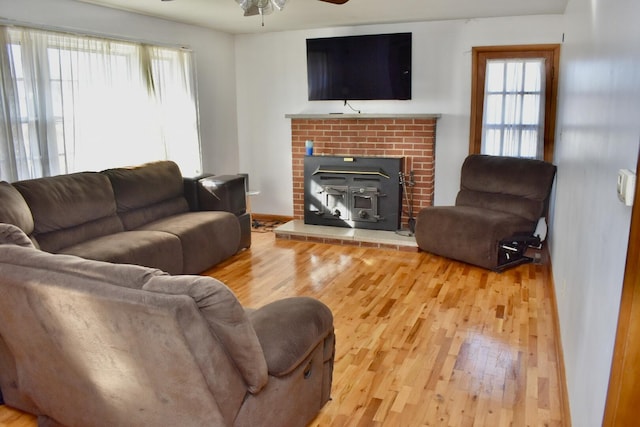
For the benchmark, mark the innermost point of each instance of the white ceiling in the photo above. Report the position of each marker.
(227, 16)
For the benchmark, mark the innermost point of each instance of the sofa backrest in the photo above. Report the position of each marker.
(69, 209)
(84, 334)
(147, 192)
(509, 184)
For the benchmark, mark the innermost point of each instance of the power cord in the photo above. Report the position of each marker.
(349, 105)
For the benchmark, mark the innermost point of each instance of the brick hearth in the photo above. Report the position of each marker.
(409, 136)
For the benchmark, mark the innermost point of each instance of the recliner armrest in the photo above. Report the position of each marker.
(289, 329)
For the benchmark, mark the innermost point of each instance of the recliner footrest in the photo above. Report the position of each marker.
(511, 251)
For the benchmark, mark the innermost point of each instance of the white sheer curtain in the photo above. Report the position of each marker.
(513, 115)
(26, 146)
(73, 103)
(174, 94)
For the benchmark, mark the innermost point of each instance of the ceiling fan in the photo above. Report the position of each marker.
(265, 7)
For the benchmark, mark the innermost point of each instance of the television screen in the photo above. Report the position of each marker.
(359, 67)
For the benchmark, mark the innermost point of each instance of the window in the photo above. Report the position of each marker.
(73, 103)
(513, 101)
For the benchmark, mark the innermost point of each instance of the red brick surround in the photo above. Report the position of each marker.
(410, 137)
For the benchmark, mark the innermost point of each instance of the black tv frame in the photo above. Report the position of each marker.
(363, 67)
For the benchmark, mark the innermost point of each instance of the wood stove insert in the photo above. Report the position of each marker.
(353, 192)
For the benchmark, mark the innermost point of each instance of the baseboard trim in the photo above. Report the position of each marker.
(562, 374)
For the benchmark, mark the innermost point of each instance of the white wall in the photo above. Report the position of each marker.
(598, 133)
(214, 53)
(272, 82)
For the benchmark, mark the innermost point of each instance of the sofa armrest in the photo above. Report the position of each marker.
(289, 329)
(191, 185)
(209, 192)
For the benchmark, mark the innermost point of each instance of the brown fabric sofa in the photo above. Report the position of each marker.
(499, 197)
(139, 215)
(88, 343)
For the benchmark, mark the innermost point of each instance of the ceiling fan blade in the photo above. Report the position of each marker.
(336, 1)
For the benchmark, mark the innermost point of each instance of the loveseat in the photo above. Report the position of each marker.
(147, 215)
(89, 343)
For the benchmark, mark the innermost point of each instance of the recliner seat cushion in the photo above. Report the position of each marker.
(467, 233)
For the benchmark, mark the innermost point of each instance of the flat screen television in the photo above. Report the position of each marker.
(359, 67)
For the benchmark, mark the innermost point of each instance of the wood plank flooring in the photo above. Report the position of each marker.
(420, 340)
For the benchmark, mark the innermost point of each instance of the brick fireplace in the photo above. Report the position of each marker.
(411, 136)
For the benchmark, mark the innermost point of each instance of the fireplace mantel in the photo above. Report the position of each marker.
(314, 116)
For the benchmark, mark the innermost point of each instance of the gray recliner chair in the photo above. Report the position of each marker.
(499, 205)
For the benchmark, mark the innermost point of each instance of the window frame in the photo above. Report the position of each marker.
(480, 55)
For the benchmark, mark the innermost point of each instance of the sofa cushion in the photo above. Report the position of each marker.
(206, 237)
(68, 209)
(147, 192)
(14, 209)
(12, 235)
(289, 329)
(149, 248)
(227, 320)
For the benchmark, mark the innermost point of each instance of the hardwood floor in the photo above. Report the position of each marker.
(420, 340)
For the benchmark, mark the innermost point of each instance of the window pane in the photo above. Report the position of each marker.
(56, 98)
(511, 146)
(514, 76)
(495, 76)
(512, 109)
(532, 76)
(493, 110)
(54, 64)
(492, 145)
(531, 109)
(529, 143)
(16, 55)
(22, 99)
